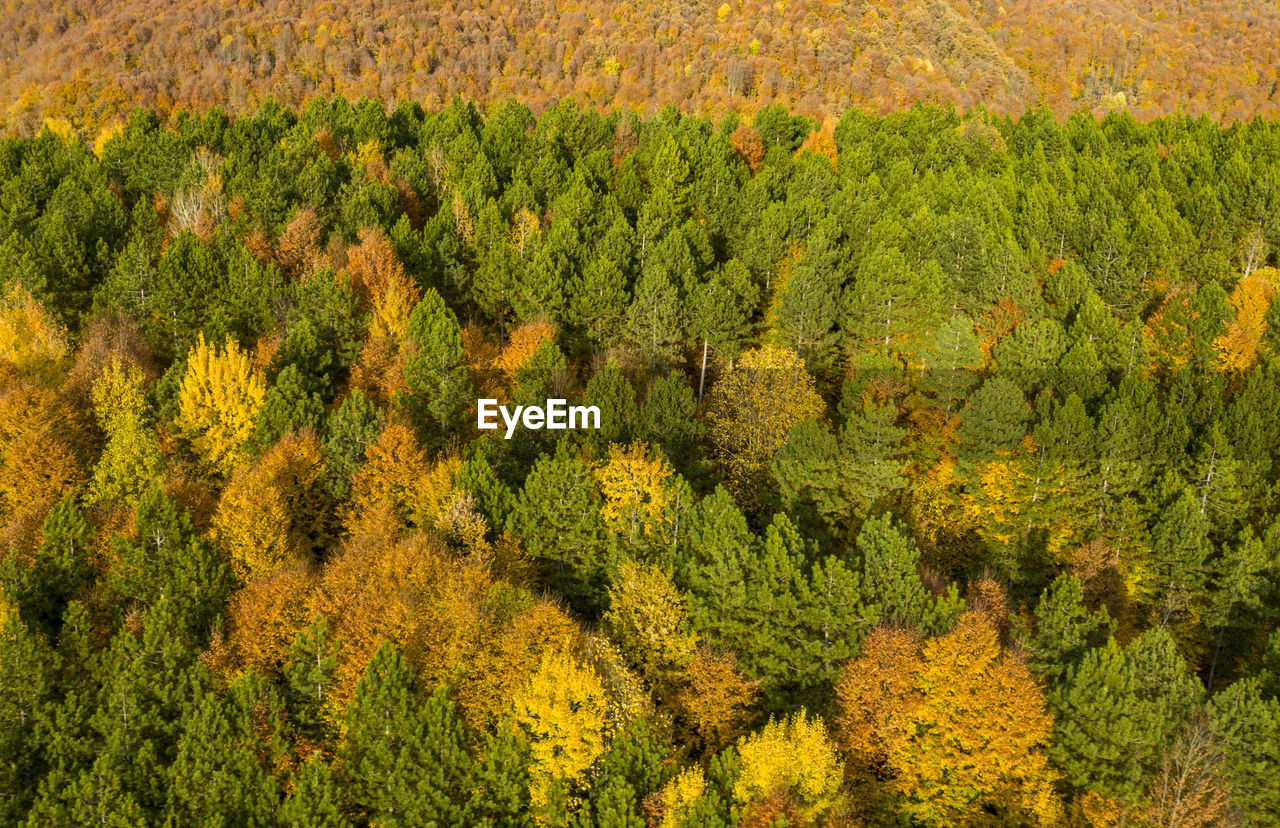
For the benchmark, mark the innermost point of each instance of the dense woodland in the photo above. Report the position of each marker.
(936, 482)
(90, 61)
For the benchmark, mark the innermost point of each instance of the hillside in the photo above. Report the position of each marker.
(89, 60)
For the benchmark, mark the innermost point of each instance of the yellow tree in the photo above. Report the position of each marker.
(271, 516)
(30, 338)
(715, 699)
(975, 740)
(131, 460)
(397, 476)
(648, 619)
(753, 408)
(564, 710)
(218, 401)
(792, 757)
(386, 291)
(1238, 346)
(42, 447)
(875, 692)
(634, 487)
(523, 344)
(261, 622)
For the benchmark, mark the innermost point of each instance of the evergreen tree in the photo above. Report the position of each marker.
(308, 680)
(402, 761)
(435, 374)
(315, 801)
(1249, 724)
(1063, 630)
(500, 781)
(655, 320)
(611, 391)
(348, 430)
(216, 776)
(557, 515)
(890, 571)
(1117, 710)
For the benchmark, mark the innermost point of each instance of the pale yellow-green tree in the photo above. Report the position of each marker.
(753, 408)
(563, 709)
(649, 621)
(793, 757)
(131, 461)
(218, 402)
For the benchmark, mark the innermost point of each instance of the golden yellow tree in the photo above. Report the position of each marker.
(975, 740)
(386, 291)
(270, 516)
(30, 338)
(875, 692)
(753, 408)
(793, 757)
(397, 476)
(564, 710)
(715, 699)
(633, 482)
(523, 343)
(218, 401)
(1250, 299)
(131, 460)
(261, 622)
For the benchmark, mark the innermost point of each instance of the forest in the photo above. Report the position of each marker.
(89, 62)
(936, 480)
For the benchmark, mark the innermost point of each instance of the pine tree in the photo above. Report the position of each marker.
(96, 796)
(309, 677)
(655, 319)
(435, 372)
(28, 694)
(166, 563)
(890, 572)
(1063, 630)
(611, 391)
(1180, 551)
(557, 515)
(348, 430)
(500, 781)
(994, 419)
(598, 301)
(1116, 711)
(216, 775)
(1248, 721)
(666, 420)
(950, 363)
(805, 306)
(721, 307)
(872, 453)
(402, 761)
(315, 801)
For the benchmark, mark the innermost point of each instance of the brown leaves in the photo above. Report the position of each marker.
(715, 699)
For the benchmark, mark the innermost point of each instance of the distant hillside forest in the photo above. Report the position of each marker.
(936, 481)
(90, 61)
